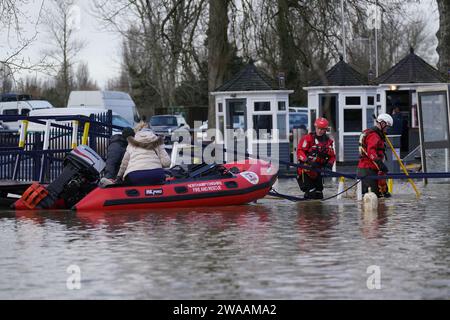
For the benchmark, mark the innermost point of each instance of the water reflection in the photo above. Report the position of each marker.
(316, 218)
(373, 222)
(273, 250)
(316, 223)
(218, 218)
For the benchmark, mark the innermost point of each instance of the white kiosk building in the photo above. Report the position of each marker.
(349, 101)
(255, 107)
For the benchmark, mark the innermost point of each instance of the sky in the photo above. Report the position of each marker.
(103, 47)
(102, 50)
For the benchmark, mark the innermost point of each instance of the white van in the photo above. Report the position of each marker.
(116, 101)
(117, 120)
(23, 108)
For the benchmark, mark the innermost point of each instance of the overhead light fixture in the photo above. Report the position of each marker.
(393, 87)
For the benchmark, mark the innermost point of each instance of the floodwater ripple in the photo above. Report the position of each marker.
(274, 249)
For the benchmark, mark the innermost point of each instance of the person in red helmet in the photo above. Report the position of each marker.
(316, 150)
(372, 152)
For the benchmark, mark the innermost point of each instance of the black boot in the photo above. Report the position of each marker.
(318, 195)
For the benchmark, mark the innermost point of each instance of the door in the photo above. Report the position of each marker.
(236, 128)
(329, 109)
(433, 111)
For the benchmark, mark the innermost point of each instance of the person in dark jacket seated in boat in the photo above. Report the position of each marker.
(144, 159)
(116, 149)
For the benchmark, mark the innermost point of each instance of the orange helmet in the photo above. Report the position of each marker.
(321, 123)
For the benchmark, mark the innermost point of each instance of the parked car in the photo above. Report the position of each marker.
(23, 108)
(297, 119)
(298, 109)
(63, 140)
(166, 124)
(117, 120)
(6, 97)
(116, 101)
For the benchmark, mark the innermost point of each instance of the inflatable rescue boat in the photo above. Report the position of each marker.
(205, 185)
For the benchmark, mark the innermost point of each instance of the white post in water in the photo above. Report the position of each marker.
(340, 187)
(359, 191)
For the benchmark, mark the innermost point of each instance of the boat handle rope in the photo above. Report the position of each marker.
(275, 193)
(336, 174)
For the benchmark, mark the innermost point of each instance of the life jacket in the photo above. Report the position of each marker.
(317, 150)
(381, 148)
(366, 158)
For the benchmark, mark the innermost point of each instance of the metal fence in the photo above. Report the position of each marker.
(41, 155)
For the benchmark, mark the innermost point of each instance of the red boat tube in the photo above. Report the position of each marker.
(242, 183)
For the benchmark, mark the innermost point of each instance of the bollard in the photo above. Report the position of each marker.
(390, 186)
(370, 201)
(23, 134)
(84, 140)
(340, 187)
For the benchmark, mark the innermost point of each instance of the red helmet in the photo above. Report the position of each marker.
(321, 123)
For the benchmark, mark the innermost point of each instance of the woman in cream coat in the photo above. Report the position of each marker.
(144, 159)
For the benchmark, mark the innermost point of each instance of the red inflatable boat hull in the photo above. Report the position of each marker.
(253, 182)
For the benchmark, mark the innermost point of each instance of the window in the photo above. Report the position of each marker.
(370, 101)
(297, 119)
(281, 106)
(370, 113)
(220, 107)
(221, 127)
(163, 121)
(353, 101)
(119, 121)
(378, 97)
(353, 120)
(281, 123)
(263, 126)
(262, 106)
(313, 118)
(11, 112)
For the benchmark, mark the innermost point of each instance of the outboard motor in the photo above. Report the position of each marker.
(82, 168)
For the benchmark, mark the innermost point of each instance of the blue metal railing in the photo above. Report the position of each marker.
(31, 163)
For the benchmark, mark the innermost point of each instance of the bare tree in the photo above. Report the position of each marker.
(218, 50)
(159, 40)
(64, 46)
(6, 79)
(16, 41)
(83, 80)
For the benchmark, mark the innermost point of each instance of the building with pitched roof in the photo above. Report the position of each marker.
(254, 107)
(349, 101)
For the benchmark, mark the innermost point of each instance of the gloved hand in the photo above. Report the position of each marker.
(313, 164)
(382, 166)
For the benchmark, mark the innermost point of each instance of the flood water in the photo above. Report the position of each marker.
(274, 249)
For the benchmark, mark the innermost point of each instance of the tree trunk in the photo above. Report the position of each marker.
(443, 36)
(218, 51)
(287, 49)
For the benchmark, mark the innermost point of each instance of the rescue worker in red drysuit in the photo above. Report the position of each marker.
(316, 150)
(372, 152)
